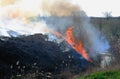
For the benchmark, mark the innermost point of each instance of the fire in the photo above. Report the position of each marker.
(76, 44)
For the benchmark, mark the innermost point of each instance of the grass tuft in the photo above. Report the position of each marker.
(102, 75)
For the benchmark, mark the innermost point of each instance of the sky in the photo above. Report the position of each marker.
(99, 7)
(91, 7)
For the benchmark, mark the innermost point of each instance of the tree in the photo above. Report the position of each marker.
(107, 14)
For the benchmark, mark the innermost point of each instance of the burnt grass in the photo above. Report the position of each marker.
(35, 57)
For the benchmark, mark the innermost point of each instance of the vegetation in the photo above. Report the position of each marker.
(102, 75)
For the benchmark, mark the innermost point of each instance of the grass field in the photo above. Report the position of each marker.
(102, 75)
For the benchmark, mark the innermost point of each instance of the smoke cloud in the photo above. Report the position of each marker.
(59, 8)
(63, 14)
(15, 17)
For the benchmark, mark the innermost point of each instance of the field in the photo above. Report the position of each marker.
(102, 75)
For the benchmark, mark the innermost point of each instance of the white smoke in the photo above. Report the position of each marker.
(15, 18)
(15, 27)
(64, 14)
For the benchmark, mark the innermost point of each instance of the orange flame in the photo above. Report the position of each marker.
(76, 44)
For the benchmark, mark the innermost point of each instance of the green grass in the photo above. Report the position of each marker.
(102, 75)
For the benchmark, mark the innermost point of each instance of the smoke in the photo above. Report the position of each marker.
(56, 15)
(63, 14)
(59, 8)
(15, 17)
